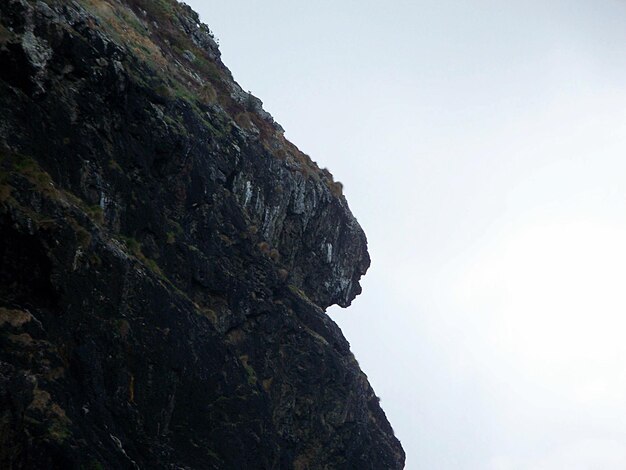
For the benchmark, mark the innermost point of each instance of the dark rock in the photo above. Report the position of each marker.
(166, 257)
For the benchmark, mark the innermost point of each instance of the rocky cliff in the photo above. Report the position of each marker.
(166, 257)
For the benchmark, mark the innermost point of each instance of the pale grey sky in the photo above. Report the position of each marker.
(481, 145)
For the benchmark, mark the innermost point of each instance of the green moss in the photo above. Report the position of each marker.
(153, 50)
(11, 165)
(154, 267)
(297, 291)
(26, 166)
(23, 164)
(95, 213)
(133, 245)
(129, 18)
(208, 69)
(184, 93)
(135, 248)
(252, 378)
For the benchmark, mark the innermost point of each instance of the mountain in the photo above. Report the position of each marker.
(166, 258)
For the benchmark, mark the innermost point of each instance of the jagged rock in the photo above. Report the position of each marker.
(166, 257)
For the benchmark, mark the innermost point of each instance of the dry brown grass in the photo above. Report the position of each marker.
(15, 318)
(161, 49)
(128, 29)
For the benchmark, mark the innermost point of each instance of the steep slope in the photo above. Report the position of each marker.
(166, 257)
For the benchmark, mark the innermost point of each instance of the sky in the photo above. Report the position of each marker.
(482, 148)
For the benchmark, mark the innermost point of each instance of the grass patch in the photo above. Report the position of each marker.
(134, 247)
(208, 94)
(252, 378)
(174, 233)
(152, 30)
(59, 431)
(26, 166)
(95, 213)
(132, 244)
(126, 28)
(299, 293)
(83, 237)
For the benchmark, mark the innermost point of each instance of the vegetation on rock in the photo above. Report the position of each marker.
(166, 256)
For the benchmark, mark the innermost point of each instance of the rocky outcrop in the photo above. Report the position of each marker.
(166, 256)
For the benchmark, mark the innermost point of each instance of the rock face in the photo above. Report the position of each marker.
(166, 256)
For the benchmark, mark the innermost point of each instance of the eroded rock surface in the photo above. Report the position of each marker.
(166, 256)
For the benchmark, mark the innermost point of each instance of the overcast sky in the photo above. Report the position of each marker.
(482, 147)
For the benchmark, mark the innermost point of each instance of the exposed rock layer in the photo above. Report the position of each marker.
(166, 257)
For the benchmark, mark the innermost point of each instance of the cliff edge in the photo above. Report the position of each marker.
(166, 257)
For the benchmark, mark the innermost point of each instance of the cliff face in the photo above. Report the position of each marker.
(166, 257)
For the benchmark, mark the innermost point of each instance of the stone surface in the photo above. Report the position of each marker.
(166, 257)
